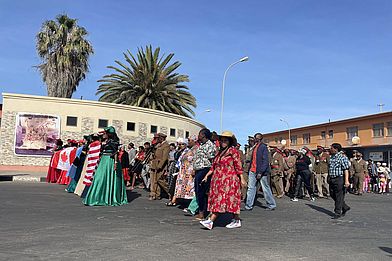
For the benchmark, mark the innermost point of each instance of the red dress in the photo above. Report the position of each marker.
(225, 188)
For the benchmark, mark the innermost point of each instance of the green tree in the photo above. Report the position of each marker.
(149, 82)
(64, 50)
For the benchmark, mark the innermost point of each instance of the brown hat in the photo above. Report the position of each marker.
(162, 135)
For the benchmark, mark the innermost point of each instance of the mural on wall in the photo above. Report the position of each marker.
(36, 134)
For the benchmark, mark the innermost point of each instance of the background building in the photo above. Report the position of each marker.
(71, 119)
(374, 132)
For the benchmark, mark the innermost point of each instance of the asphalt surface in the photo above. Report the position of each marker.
(41, 221)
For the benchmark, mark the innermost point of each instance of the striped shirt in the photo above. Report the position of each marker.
(338, 164)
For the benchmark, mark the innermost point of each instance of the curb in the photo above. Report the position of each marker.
(22, 178)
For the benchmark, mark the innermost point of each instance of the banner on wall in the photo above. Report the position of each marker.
(36, 134)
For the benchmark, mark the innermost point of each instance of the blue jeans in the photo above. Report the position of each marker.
(250, 195)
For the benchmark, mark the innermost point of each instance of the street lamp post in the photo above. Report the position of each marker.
(244, 59)
(288, 126)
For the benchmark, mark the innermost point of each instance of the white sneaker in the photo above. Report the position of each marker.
(312, 199)
(294, 199)
(207, 223)
(234, 224)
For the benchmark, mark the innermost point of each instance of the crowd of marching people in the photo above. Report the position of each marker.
(209, 174)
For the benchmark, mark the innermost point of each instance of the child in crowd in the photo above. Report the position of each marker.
(366, 182)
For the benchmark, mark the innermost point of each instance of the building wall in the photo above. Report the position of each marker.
(339, 128)
(88, 114)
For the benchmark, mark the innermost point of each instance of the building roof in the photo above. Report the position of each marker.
(332, 123)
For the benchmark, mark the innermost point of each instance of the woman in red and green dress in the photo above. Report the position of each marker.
(226, 182)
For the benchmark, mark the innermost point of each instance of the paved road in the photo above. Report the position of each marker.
(40, 221)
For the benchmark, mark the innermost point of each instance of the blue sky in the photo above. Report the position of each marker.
(310, 61)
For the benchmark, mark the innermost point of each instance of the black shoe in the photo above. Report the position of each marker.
(336, 216)
(344, 211)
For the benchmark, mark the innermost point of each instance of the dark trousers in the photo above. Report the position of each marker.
(337, 191)
(303, 176)
(201, 189)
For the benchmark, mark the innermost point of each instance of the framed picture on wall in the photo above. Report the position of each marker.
(36, 134)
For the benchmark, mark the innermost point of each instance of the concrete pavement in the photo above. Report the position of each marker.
(41, 221)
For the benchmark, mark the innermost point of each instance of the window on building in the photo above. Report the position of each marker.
(330, 134)
(276, 140)
(187, 134)
(102, 123)
(153, 129)
(293, 140)
(378, 130)
(72, 121)
(389, 128)
(172, 132)
(352, 132)
(323, 135)
(130, 126)
(306, 138)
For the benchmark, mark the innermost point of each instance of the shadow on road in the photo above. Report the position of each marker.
(387, 249)
(321, 209)
(132, 195)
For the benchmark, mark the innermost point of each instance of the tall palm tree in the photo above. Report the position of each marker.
(63, 47)
(149, 82)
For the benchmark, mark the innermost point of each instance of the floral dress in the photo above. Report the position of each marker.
(225, 188)
(185, 184)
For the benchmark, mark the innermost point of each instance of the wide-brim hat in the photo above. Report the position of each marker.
(229, 135)
(226, 134)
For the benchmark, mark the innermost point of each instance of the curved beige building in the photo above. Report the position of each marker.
(74, 118)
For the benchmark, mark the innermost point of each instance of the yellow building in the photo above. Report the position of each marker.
(370, 134)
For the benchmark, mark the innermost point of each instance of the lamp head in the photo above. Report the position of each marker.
(244, 59)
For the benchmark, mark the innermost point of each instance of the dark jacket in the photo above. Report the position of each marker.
(124, 160)
(262, 160)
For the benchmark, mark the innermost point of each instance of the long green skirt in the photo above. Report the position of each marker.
(108, 188)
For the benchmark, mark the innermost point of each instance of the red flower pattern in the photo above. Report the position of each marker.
(225, 188)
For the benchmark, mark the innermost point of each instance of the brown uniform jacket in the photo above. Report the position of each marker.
(161, 156)
(358, 167)
(277, 164)
(248, 159)
(321, 163)
(290, 165)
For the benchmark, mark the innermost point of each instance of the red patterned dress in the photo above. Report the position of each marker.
(225, 188)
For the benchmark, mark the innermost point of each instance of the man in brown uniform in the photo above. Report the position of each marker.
(321, 171)
(277, 169)
(359, 169)
(158, 167)
(246, 164)
(289, 171)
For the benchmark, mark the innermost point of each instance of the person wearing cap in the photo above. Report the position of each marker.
(131, 154)
(259, 172)
(185, 184)
(277, 169)
(246, 164)
(227, 179)
(358, 169)
(387, 176)
(158, 167)
(108, 187)
(303, 175)
(289, 171)
(202, 162)
(321, 171)
(338, 174)
(123, 158)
